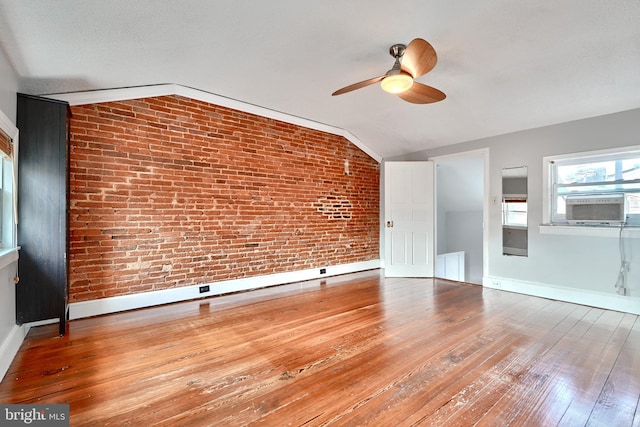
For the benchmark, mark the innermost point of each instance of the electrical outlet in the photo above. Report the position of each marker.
(204, 289)
(323, 271)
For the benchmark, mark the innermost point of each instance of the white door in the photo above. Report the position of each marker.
(409, 219)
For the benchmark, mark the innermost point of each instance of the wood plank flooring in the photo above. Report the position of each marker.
(351, 350)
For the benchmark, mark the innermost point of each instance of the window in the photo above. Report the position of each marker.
(7, 233)
(610, 172)
(8, 147)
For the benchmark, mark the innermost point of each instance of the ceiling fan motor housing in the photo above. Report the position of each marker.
(397, 50)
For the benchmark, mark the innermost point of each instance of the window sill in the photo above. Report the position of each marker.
(589, 230)
(7, 256)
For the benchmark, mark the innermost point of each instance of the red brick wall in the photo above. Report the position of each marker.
(169, 192)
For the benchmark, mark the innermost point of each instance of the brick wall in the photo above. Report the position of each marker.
(169, 192)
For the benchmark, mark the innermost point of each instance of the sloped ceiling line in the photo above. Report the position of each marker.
(122, 94)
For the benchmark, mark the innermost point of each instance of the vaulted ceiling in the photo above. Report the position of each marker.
(504, 65)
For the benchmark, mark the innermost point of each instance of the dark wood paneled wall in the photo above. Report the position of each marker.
(42, 291)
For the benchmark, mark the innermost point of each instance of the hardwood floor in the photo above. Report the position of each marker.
(357, 349)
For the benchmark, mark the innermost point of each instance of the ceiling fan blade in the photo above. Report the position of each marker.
(357, 85)
(422, 94)
(419, 58)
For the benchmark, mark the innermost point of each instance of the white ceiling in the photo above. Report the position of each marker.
(505, 65)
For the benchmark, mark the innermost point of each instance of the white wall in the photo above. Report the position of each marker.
(441, 228)
(10, 335)
(8, 88)
(576, 268)
(464, 234)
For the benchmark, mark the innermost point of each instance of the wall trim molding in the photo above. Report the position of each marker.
(137, 92)
(10, 346)
(589, 298)
(78, 310)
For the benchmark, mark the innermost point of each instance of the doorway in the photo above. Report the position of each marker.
(460, 216)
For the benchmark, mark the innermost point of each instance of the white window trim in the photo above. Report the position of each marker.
(10, 242)
(7, 256)
(578, 230)
(591, 231)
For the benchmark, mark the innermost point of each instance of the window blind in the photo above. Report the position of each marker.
(6, 146)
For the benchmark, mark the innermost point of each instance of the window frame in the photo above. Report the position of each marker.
(550, 163)
(8, 205)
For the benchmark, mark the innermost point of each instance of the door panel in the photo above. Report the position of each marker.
(409, 219)
(420, 249)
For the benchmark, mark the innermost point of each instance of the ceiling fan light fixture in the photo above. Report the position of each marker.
(396, 83)
(411, 61)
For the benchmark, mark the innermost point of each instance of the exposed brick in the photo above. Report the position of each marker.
(169, 192)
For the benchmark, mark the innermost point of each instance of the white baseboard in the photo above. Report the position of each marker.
(577, 296)
(78, 310)
(10, 347)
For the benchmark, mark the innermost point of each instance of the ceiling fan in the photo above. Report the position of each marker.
(412, 61)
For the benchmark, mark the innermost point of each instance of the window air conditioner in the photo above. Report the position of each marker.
(596, 209)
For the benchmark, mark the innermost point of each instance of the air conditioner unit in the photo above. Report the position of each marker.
(596, 209)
